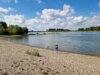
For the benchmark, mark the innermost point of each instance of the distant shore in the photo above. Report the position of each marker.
(14, 60)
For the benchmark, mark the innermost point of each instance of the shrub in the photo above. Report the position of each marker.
(33, 53)
(28, 52)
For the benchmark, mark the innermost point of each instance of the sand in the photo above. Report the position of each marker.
(15, 61)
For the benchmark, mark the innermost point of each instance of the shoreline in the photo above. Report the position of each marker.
(14, 60)
(45, 48)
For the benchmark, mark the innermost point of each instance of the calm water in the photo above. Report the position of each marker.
(79, 42)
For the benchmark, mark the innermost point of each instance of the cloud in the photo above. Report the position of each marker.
(99, 4)
(38, 13)
(39, 1)
(4, 10)
(54, 18)
(92, 21)
(55, 13)
(14, 19)
(48, 18)
(9, 1)
(5, 1)
(16, 1)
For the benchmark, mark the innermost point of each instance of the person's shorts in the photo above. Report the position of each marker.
(56, 49)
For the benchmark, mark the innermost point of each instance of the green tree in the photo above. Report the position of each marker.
(81, 29)
(17, 30)
(3, 24)
(24, 30)
(3, 27)
(2, 30)
(14, 30)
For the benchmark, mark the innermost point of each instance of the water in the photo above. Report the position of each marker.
(78, 42)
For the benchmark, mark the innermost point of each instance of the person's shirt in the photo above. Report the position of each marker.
(56, 46)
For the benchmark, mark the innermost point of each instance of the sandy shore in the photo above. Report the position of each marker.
(15, 61)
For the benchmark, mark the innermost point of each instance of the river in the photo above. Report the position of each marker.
(78, 42)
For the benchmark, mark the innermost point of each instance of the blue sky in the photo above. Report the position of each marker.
(33, 12)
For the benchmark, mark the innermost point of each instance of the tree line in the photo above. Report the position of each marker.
(96, 28)
(12, 29)
(57, 30)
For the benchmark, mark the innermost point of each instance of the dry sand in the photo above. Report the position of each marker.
(15, 61)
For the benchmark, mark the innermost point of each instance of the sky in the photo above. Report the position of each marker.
(45, 14)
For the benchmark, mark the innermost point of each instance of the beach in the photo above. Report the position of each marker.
(15, 61)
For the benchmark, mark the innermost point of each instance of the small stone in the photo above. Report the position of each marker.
(5, 73)
(41, 69)
(0, 69)
(45, 73)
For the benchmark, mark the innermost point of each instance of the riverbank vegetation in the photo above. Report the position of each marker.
(58, 30)
(96, 28)
(12, 29)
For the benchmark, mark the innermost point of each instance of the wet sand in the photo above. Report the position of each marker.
(15, 61)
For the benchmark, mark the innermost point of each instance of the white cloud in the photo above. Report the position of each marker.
(8, 1)
(16, 1)
(15, 19)
(99, 4)
(49, 18)
(93, 21)
(38, 13)
(5, 1)
(39, 1)
(54, 18)
(54, 13)
(4, 10)
(10, 9)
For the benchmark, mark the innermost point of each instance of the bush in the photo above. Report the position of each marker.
(28, 52)
(33, 53)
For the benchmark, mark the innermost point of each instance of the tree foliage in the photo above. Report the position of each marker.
(3, 24)
(16, 30)
(2, 30)
(24, 30)
(12, 29)
(97, 28)
(58, 30)
(3, 27)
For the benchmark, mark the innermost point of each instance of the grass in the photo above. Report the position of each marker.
(33, 53)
